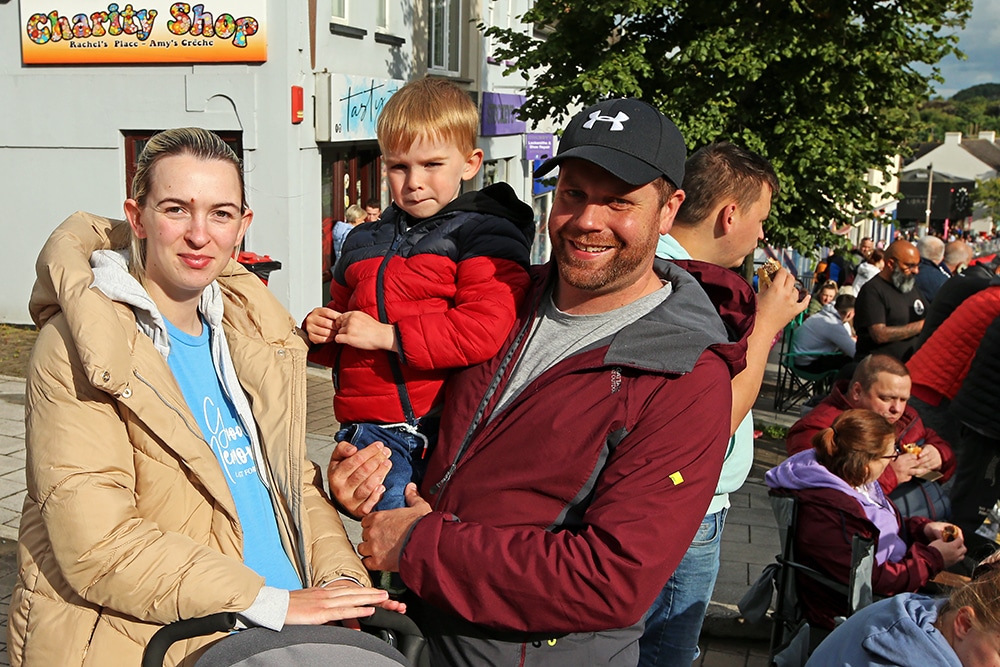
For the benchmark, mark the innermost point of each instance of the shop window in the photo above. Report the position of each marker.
(494, 171)
(445, 35)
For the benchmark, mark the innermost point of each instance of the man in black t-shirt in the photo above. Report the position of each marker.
(889, 312)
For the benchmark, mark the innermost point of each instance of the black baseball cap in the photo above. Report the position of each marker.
(627, 137)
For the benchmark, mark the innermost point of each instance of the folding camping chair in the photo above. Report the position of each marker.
(794, 384)
(792, 638)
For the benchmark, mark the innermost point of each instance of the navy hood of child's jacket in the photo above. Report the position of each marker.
(500, 200)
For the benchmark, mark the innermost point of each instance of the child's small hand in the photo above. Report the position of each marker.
(321, 325)
(364, 332)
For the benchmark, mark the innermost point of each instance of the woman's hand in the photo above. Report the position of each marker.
(389, 605)
(935, 530)
(338, 601)
(952, 552)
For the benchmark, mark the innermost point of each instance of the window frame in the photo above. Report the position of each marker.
(382, 14)
(135, 141)
(342, 16)
(452, 37)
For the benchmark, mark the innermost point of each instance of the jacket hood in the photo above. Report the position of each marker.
(838, 395)
(802, 471)
(111, 276)
(498, 199)
(708, 307)
(733, 298)
(906, 627)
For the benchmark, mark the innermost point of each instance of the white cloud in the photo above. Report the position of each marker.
(981, 43)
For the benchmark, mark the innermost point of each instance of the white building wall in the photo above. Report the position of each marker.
(62, 145)
(62, 142)
(950, 158)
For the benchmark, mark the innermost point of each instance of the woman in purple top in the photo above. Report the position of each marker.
(835, 487)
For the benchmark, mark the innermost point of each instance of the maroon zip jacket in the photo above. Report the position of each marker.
(827, 522)
(570, 509)
(910, 428)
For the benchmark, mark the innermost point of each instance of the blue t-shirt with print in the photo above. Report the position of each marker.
(190, 359)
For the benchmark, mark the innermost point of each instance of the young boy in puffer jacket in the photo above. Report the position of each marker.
(431, 286)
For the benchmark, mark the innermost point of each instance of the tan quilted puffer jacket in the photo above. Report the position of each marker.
(128, 522)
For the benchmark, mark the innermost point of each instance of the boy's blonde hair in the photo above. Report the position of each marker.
(432, 108)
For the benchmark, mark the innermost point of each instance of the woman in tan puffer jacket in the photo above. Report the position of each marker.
(129, 522)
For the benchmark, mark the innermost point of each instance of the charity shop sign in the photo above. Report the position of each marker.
(78, 32)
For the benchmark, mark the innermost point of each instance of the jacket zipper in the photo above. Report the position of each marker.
(397, 370)
(477, 417)
(170, 405)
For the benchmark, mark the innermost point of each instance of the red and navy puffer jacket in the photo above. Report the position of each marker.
(450, 284)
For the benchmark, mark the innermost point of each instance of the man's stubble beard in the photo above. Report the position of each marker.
(628, 258)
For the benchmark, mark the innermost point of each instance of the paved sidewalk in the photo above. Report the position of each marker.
(749, 542)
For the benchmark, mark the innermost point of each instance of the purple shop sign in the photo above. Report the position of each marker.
(539, 146)
(499, 114)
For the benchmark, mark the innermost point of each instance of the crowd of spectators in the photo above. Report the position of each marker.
(926, 371)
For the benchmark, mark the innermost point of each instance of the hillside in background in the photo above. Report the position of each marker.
(968, 111)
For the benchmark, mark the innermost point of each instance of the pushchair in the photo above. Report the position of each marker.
(388, 639)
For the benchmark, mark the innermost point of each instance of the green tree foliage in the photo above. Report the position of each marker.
(968, 111)
(989, 91)
(987, 194)
(825, 89)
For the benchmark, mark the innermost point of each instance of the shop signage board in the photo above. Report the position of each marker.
(539, 146)
(356, 102)
(78, 32)
(499, 114)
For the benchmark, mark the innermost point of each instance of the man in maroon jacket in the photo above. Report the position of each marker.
(574, 468)
(881, 383)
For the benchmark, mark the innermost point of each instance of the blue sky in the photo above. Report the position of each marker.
(981, 43)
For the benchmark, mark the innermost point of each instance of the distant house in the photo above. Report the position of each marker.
(968, 158)
(953, 167)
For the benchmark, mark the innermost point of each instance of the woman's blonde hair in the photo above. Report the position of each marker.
(194, 141)
(354, 213)
(432, 108)
(856, 438)
(982, 594)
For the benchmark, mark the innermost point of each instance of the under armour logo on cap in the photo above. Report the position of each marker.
(649, 147)
(617, 121)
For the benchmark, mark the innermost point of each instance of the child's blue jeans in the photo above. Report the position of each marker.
(410, 446)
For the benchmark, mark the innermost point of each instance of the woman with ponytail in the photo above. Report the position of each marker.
(835, 487)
